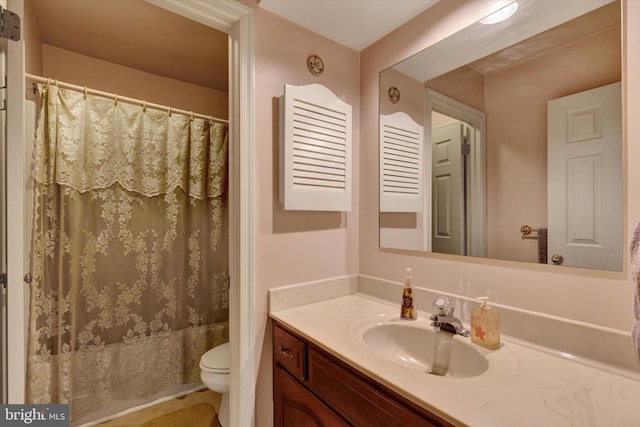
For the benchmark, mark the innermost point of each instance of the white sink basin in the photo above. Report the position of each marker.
(414, 347)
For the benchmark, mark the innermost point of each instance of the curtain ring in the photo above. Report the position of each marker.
(115, 99)
(169, 110)
(144, 106)
(56, 83)
(211, 120)
(191, 116)
(85, 92)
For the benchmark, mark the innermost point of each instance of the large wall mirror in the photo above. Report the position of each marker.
(504, 140)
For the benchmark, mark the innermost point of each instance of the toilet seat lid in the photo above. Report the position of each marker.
(217, 358)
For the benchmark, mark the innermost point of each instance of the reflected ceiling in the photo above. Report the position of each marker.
(579, 28)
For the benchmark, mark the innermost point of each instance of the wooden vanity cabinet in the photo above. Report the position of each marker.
(313, 388)
(296, 406)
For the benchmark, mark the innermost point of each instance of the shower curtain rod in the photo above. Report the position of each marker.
(117, 97)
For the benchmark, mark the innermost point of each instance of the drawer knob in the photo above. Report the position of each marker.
(286, 352)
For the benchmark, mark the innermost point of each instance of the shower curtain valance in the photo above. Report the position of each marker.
(177, 151)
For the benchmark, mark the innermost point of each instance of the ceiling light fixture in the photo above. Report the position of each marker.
(506, 10)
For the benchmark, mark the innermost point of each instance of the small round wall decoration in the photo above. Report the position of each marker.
(394, 95)
(315, 65)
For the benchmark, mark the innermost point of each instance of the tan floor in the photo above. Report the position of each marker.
(198, 409)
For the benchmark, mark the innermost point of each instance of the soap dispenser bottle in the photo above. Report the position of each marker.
(485, 325)
(407, 307)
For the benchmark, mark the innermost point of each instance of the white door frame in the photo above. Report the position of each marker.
(17, 309)
(3, 244)
(228, 16)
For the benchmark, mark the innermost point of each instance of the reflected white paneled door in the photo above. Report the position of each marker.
(448, 195)
(585, 178)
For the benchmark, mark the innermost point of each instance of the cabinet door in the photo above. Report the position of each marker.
(361, 401)
(295, 406)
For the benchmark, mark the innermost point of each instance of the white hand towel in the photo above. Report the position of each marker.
(635, 275)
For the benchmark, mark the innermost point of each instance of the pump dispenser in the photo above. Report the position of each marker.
(485, 325)
(407, 307)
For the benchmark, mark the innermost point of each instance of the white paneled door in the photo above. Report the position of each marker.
(448, 193)
(585, 179)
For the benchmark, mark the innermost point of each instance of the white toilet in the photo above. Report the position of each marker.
(214, 372)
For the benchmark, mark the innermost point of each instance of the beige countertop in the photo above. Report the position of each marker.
(523, 386)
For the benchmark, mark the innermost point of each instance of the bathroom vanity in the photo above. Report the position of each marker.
(344, 357)
(311, 385)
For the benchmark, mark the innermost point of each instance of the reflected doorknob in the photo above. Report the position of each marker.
(557, 259)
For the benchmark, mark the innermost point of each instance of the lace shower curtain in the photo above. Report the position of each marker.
(130, 250)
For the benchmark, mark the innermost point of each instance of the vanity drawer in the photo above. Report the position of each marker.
(290, 352)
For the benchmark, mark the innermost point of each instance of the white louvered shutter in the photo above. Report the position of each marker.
(401, 163)
(315, 150)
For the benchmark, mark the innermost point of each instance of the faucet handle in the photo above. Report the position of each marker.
(442, 304)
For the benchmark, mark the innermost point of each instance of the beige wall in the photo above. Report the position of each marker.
(294, 247)
(33, 44)
(106, 76)
(49, 61)
(412, 100)
(462, 84)
(600, 298)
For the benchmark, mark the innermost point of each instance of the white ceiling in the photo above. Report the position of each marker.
(354, 23)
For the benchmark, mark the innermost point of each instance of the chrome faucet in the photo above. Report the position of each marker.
(444, 320)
